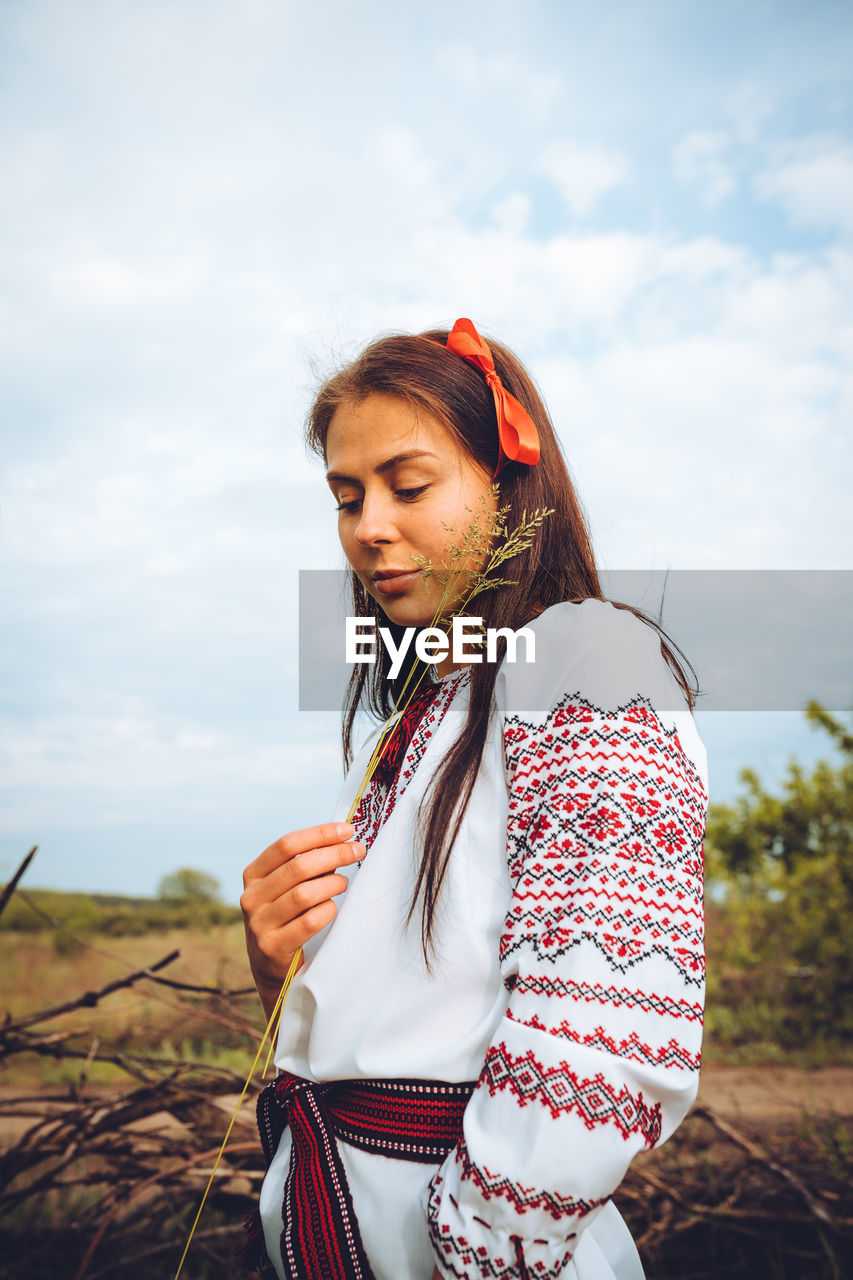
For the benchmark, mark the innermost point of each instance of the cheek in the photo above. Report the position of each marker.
(346, 539)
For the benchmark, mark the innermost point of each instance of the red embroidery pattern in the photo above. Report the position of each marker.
(539, 984)
(397, 741)
(522, 1198)
(384, 790)
(466, 1260)
(671, 1054)
(604, 847)
(558, 1088)
(606, 820)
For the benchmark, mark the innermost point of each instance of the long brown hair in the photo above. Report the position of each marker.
(559, 566)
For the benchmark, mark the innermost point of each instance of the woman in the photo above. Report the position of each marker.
(504, 1003)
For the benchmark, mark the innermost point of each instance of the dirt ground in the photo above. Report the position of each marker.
(776, 1093)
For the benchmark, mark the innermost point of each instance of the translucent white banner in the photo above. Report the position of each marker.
(760, 640)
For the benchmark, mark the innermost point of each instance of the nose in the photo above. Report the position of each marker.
(376, 523)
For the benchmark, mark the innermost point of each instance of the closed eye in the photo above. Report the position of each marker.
(407, 495)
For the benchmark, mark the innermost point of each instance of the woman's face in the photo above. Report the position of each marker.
(398, 477)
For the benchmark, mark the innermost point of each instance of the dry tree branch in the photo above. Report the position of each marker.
(164, 1175)
(209, 1234)
(89, 998)
(53, 1046)
(757, 1152)
(13, 883)
(231, 1023)
(229, 993)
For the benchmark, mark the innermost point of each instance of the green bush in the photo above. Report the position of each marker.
(780, 876)
(86, 914)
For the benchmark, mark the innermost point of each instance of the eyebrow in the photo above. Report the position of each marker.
(387, 465)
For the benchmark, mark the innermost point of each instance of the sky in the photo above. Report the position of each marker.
(208, 206)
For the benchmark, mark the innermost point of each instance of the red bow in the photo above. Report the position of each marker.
(518, 439)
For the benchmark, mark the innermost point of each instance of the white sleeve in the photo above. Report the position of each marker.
(597, 1055)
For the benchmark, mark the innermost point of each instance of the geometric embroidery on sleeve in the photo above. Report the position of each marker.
(606, 819)
(671, 1054)
(620, 954)
(604, 838)
(558, 1088)
(522, 1198)
(539, 984)
(467, 1259)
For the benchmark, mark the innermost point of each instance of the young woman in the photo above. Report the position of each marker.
(500, 1001)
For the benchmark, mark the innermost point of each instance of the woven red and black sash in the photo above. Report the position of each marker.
(416, 1120)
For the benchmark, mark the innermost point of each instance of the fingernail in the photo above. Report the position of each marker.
(345, 830)
(360, 849)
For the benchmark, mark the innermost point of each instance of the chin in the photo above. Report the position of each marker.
(405, 613)
(406, 617)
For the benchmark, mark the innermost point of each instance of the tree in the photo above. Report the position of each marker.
(783, 868)
(189, 885)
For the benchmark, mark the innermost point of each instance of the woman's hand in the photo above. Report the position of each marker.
(287, 898)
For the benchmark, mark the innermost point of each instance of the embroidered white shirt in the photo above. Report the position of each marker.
(568, 976)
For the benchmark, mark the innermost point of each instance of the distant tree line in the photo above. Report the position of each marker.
(186, 899)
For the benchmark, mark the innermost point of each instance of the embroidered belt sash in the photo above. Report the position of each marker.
(416, 1120)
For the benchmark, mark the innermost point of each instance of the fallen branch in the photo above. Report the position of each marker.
(157, 1250)
(232, 1024)
(228, 993)
(54, 1046)
(89, 998)
(235, 1149)
(757, 1152)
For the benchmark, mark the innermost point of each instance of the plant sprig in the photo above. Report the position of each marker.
(486, 536)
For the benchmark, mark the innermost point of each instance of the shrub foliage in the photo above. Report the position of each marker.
(780, 876)
(83, 914)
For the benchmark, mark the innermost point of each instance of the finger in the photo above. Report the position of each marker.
(308, 866)
(277, 946)
(304, 927)
(317, 863)
(264, 910)
(304, 897)
(295, 843)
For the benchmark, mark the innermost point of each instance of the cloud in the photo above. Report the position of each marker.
(132, 755)
(701, 160)
(708, 431)
(583, 175)
(749, 107)
(512, 214)
(504, 76)
(813, 182)
(115, 287)
(177, 260)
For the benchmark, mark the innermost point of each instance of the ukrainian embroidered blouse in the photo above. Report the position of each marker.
(569, 972)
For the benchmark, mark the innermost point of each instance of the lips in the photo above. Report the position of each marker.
(390, 582)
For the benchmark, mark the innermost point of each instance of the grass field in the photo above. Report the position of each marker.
(144, 1019)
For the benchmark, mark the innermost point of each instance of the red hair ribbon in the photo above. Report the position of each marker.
(518, 439)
